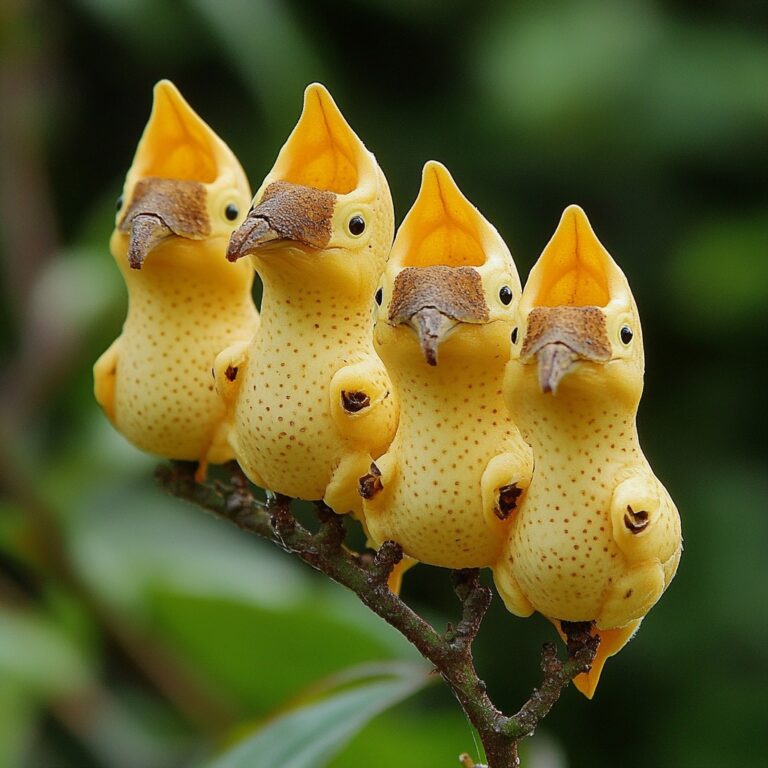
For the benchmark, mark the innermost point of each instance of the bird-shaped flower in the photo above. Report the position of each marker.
(183, 195)
(597, 537)
(310, 400)
(446, 487)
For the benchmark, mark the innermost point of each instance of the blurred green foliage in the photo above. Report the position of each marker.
(134, 631)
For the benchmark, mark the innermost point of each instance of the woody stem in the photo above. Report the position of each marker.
(450, 652)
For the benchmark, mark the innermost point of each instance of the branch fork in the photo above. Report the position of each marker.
(450, 652)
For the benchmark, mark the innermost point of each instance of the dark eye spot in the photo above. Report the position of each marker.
(119, 203)
(231, 211)
(356, 225)
(626, 334)
(505, 294)
(514, 335)
(379, 296)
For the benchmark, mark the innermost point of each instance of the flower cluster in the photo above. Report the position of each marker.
(414, 384)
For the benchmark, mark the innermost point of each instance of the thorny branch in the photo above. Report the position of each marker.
(450, 652)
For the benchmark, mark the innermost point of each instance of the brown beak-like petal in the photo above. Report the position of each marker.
(557, 337)
(431, 325)
(247, 239)
(147, 232)
(159, 209)
(554, 361)
(292, 212)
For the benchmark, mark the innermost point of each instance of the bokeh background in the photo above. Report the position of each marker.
(137, 632)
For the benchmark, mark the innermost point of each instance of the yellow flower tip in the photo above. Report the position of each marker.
(318, 97)
(440, 196)
(575, 215)
(575, 269)
(443, 228)
(323, 151)
(611, 642)
(165, 89)
(320, 112)
(575, 234)
(177, 143)
(586, 683)
(435, 175)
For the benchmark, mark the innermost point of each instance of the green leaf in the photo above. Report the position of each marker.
(227, 603)
(433, 736)
(37, 656)
(127, 546)
(310, 736)
(17, 719)
(265, 654)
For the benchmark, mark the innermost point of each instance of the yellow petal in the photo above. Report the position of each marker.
(323, 151)
(176, 144)
(442, 228)
(574, 269)
(611, 642)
